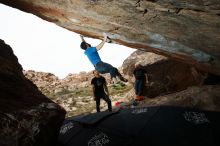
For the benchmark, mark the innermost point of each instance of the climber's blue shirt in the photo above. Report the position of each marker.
(93, 55)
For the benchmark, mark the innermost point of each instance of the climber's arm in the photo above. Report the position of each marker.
(98, 47)
(106, 89)
(93, 91)
(82, 38)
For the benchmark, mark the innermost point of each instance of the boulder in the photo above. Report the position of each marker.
(203, 97)
(164, 75)
(27, 117)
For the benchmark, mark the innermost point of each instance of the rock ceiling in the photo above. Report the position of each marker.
(185, 30)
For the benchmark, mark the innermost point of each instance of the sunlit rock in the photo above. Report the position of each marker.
(164, 75)
(203, 97)
(184, 30)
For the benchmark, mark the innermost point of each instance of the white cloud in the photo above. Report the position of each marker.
(44, 46)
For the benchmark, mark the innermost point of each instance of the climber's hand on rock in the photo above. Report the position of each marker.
(81, 36)
(105, 36)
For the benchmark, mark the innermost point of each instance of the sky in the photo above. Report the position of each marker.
(44, 46)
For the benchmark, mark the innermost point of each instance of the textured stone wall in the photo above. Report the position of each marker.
(27, 117)
(185, 30)
(164, 75)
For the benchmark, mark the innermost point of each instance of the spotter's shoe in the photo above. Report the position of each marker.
(139, 98)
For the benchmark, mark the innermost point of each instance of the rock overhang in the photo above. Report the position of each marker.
(187, 31)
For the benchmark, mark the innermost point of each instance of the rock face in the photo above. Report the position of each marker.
(203, 97)
(27, 117)
(164, 75)
(184, 30)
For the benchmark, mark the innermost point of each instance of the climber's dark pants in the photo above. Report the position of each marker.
(103, 68)
(107, 100)
(139, 87)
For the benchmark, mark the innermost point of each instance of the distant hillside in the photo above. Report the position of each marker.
(74, 92)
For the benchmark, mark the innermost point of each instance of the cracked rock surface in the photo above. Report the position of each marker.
(26, 115)
(184, 30)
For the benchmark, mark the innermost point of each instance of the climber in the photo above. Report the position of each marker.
(100, 90)
(100, 66)
(140, 81)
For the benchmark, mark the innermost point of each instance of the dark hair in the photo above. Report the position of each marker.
(94, 71)
(84, 46)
